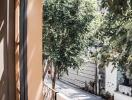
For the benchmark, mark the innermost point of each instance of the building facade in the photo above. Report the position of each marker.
(20, 49)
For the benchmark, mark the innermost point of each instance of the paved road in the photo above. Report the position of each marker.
(72, 92)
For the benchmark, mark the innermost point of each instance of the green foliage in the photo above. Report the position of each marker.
(64, 31)
(120, 7)
(115, 34)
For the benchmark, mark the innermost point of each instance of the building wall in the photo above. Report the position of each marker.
(10, 53)
(34, 49)
(111, 79)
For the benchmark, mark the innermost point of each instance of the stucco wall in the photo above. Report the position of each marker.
(34, 49)
(111, 78)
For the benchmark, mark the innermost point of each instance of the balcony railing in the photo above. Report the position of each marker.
(49, 93)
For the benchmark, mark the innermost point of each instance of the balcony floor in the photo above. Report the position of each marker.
(72, 92)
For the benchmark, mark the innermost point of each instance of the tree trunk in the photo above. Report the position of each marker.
(46, 66)
(53, 83)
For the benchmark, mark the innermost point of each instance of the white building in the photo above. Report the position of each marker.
(113, 85)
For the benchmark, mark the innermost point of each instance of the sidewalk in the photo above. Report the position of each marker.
(72, 92)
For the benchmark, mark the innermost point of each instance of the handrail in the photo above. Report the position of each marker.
(50, 88)
(57, 96)
(49, 93)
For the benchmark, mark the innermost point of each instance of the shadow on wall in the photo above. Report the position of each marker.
(3, 52)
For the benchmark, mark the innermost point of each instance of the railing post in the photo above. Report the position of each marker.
(56, 95)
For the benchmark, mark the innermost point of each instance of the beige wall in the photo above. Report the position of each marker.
(9, 45)
(34, 49)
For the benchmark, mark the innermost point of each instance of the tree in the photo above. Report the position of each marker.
(64, 32)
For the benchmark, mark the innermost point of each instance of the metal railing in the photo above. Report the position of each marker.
(49, 93)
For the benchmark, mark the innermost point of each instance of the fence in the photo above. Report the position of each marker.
(84, 78)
